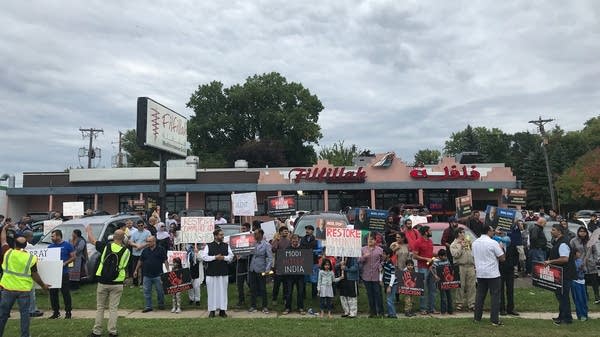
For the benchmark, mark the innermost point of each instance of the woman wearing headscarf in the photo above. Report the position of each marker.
(78, 270)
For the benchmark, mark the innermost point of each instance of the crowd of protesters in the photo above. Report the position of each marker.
(487, 262)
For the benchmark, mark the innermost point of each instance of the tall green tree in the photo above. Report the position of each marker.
(265, 107)
(462, 141)
(492, 144)
(136, 155)
(427, 157)
(338, 154)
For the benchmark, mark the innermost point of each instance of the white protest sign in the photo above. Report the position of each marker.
(73, 208)
(197, 229)
(417, 219)
(343, 241)
(244, 204)
(172, 254)
(49, 225)
(46, 254)
(269, 229)
(51, 272)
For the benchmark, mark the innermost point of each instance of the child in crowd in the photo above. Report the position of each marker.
(388, 278)
(177, 265)
(325, 286)
(578, 289)
(408, 309)
(445, 294)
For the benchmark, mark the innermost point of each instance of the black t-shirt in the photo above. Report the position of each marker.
(153, 260)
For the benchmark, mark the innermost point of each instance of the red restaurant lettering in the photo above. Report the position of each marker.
(329, 175)
(449, 174)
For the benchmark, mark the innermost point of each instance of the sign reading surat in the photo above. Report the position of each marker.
(452, 173)
(328, 175)
(160, 127)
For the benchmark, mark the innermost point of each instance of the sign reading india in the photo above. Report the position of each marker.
(343, 242)
(197, 229)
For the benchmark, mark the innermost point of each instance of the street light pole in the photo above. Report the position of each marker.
(540, 124)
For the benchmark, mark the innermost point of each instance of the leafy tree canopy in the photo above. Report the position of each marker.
(340, 155)
(266, 107)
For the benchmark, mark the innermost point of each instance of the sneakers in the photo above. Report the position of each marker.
(301, 312)
(173, 310)
(499, 323)
(597, 301)
(222, 313)
(252, 309)
(285, 312)
(146, 310)
(36, 313)
(178, 310)
(211, 314)
(68, 315)
(265, 310)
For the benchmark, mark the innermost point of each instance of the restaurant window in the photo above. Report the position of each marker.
(88, 202)
(218, 203)
(310, 201)
(384, 199)
(175, 202)
(124, 201)
(340, 200)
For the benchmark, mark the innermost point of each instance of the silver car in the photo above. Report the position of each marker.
(103, 227)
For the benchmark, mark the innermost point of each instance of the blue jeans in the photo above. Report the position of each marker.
(148, 283)
(446, 301)
(427, 301)
(374, 296)
(7, 302)
(390, 298)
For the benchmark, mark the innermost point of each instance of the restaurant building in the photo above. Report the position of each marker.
(378, 182)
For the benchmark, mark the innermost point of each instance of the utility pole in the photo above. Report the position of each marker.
(540, 124)
(91, 133)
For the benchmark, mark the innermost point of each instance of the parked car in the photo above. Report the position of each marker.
(573, 227)
(319, 220)
(103, 227)
(437, 230)
(40, 216)
(585, 215)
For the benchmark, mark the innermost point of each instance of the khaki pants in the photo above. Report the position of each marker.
(108, 297)
(465, 295)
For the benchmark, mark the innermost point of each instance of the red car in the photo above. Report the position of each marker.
(437, 229)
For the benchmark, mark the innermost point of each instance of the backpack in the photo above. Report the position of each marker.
(110, 264)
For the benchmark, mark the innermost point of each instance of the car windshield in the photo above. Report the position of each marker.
(320, 222)
(67, 229)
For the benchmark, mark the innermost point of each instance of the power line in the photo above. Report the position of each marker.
(540, 124)
(91, 153)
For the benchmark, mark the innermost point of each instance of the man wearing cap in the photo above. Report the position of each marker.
(20, 270)
(562, 255)
(309, 241)
(449, 235)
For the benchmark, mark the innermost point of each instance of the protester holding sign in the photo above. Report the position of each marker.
(442, 262)
(487, 253)
(348, 286)
(408, 270)
(423, 253)
(20, 270)
(278, 245)
(67, 255)
(561, 254)
(241, 272)
(589, 256)
(33, 309)
(217, 254)
(371, 258)
(111, 273)
(196, 274)
(260, 265)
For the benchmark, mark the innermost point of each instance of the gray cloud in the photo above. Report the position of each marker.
(393, 76)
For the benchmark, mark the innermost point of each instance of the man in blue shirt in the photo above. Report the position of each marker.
(152, 260)
(260, 264)
(67, 255)
(137, 241)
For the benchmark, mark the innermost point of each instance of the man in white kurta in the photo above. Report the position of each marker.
(217, 254)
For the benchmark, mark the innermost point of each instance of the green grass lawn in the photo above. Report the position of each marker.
(311, 327)
(526, 299)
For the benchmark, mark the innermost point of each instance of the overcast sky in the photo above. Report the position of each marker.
(393, 75)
